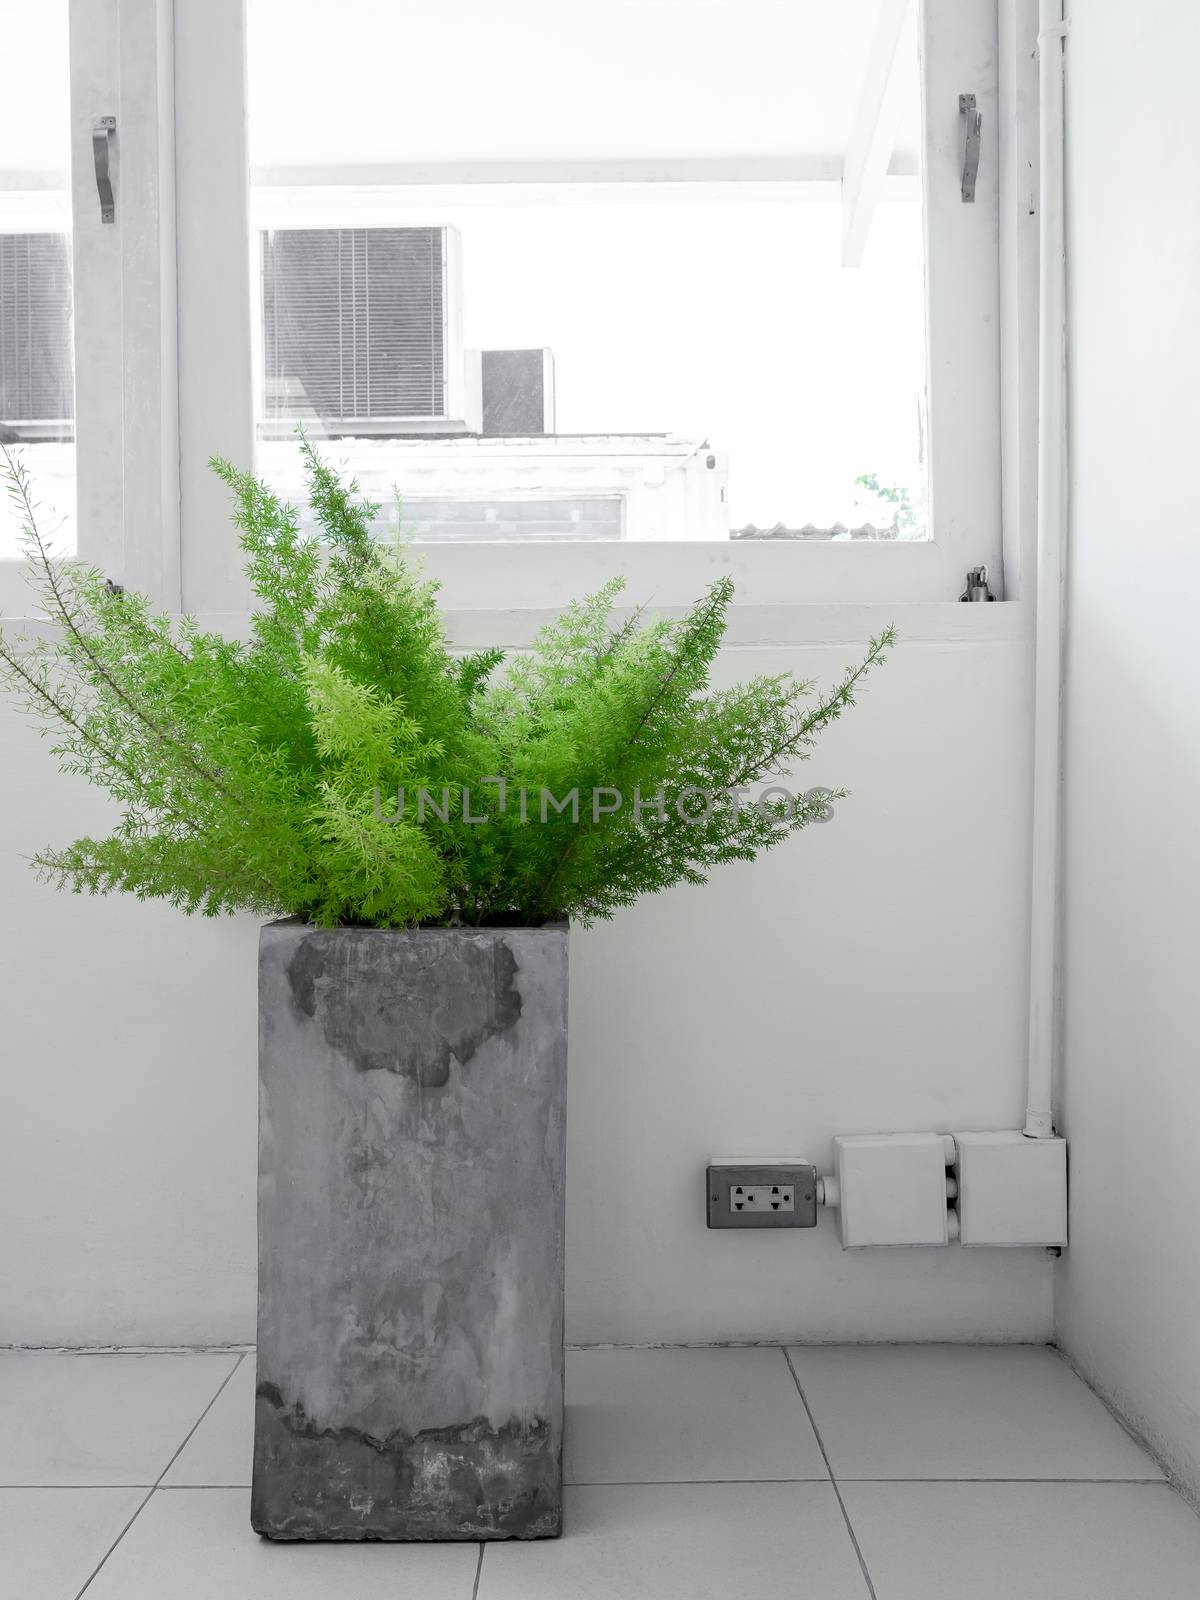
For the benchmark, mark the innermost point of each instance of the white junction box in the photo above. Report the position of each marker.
(1011, 1190)
(891, 1189)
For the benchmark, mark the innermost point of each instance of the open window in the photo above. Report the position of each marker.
(699, 275)
(652, 286)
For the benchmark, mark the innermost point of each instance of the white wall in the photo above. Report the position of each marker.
(867, 975)
(1129, 1307)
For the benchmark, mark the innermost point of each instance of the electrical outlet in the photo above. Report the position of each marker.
(761, 1194)
(760, 1197)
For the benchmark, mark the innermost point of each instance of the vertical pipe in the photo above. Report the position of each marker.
(1045, 920)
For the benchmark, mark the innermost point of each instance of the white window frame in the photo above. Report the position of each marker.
(126, 389)
(164, 335)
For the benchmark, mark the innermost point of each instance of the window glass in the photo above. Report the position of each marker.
(589, 81)
(37, 403)
(584, 279)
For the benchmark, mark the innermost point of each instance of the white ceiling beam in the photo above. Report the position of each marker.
(873, 132)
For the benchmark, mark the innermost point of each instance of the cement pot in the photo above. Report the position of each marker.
(412, 1098)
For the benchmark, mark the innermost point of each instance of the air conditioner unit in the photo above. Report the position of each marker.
(362, 331)
(37, 388)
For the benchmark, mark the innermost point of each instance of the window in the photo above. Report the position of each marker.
(666, 227)
(716, 222)
(37, 386)
(708, 322)
(88, 319)
(670, 288)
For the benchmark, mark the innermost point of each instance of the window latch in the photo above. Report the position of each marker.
(102, 131)
(970, 122)
(977, 585)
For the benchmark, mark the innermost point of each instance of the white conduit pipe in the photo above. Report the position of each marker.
(1045, 911)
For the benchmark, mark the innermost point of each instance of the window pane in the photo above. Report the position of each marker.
(37, 404)
(589, 80)
(689, 351)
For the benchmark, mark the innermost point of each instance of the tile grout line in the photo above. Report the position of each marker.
(635, 1483)
(150, 1494)
(196, 1488)
(629, 1484)
(680, 1483)
(699, 1483)
(141, 1507)
(478, 1571)
(812, 1421)
(188, 1436)
(1117, 1483)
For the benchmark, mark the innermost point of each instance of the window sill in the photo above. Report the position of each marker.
(750, 627)
(753, 627)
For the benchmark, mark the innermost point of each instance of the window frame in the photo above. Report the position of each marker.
(123, 285)
(164, 318)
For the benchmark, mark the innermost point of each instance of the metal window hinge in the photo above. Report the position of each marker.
(102, 131)
(977, 585)
(970, 122)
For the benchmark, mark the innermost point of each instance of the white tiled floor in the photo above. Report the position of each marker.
(885, 1472)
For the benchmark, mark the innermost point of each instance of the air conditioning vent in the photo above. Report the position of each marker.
(359, 327)
(37, 387)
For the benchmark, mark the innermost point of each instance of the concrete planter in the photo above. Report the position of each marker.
(410, 1233)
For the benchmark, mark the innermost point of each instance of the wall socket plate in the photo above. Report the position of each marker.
(761, 1194)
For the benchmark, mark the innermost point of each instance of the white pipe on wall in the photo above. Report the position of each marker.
(1045, 919)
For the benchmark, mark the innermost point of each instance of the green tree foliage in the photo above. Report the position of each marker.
(909, 515)
(282, 772)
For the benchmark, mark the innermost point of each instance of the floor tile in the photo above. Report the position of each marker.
(220, 1451)
(52, 1540)
(691, 1541)
(197, 1544)
(99, 1419)
(1039, 1541)
(961, 1411)
(664, 1416)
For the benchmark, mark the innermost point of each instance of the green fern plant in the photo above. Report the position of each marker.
(288, 772)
